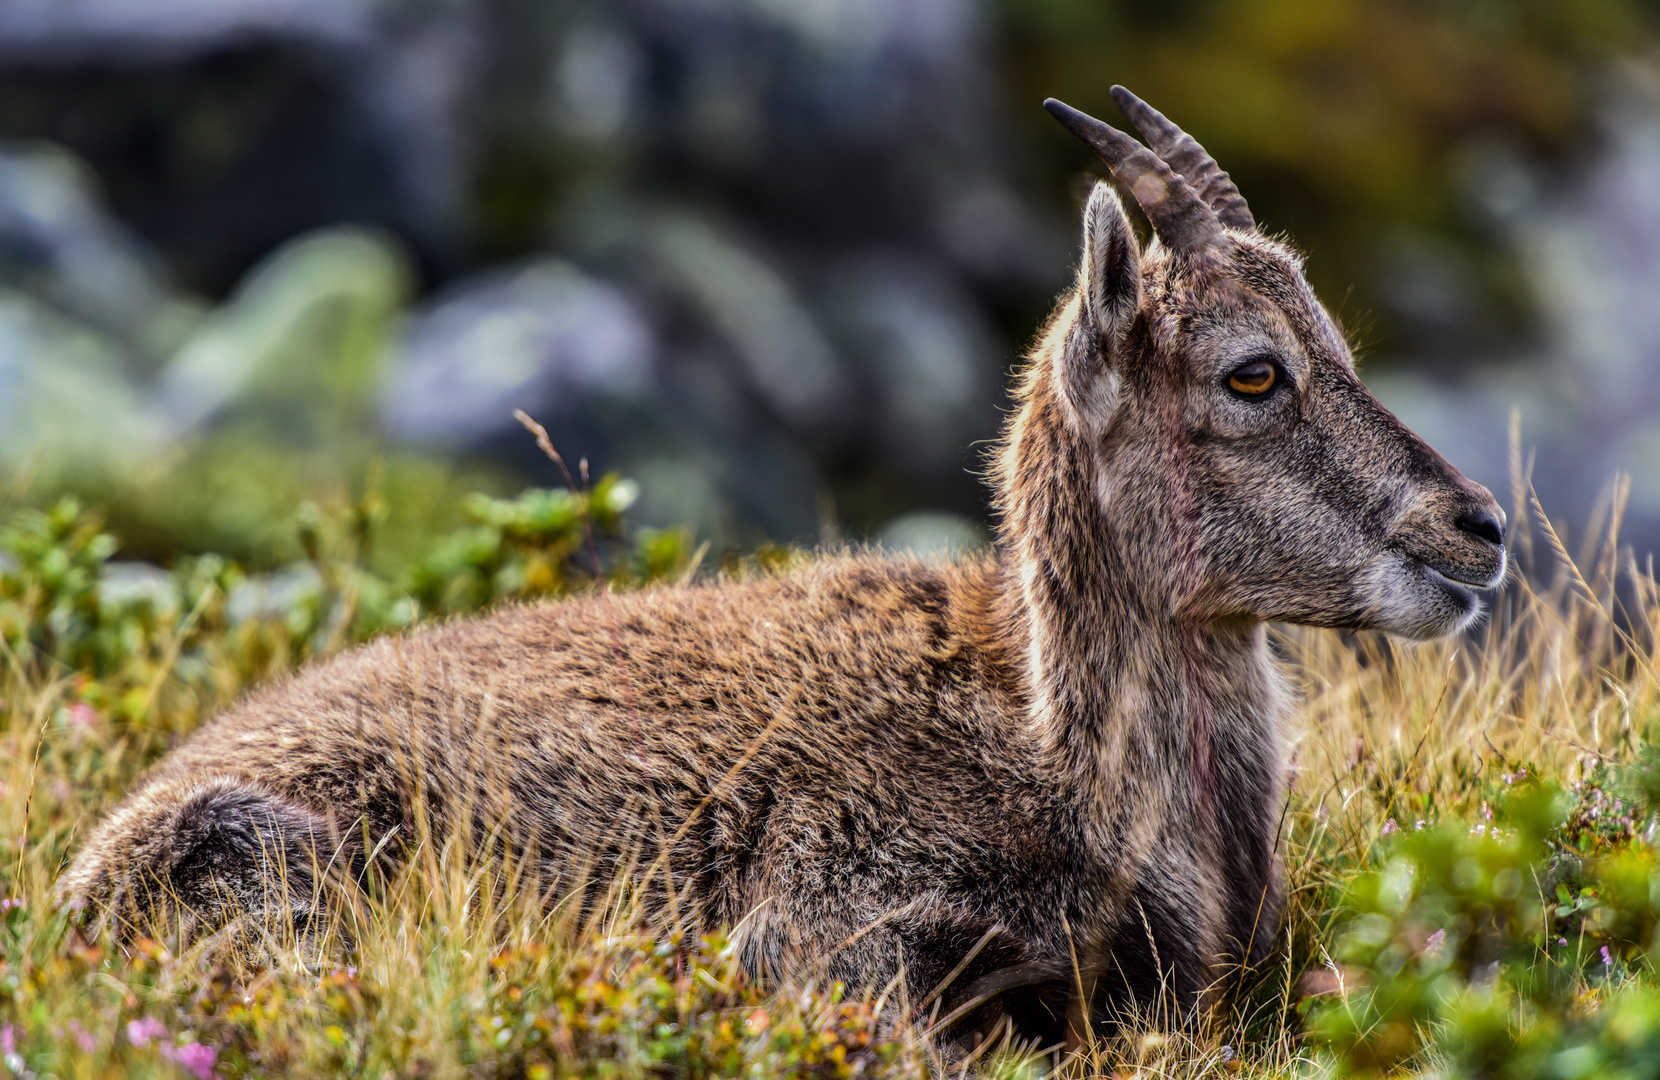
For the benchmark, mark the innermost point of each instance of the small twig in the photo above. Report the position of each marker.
(582, 500)
(582, 495)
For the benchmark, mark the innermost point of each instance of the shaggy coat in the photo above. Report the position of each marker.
(1063, 760)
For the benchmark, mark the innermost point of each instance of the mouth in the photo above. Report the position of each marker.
(1463, 591)
(1463, 583)
(1419, 599)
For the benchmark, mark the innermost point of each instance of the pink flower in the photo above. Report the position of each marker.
(193, 1058)
(82, 717)
(8, 1039)
(84, 1039)
(1389, 827)
(1607, 959)
(145, 1030)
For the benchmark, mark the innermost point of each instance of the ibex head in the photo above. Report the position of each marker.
(1237, 460)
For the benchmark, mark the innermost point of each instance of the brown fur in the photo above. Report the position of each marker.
(1074, 742)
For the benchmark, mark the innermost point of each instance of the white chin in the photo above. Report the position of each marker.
(1407, 598)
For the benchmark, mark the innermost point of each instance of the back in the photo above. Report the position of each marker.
(843, 721)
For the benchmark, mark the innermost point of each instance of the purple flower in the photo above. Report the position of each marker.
(1561, 941)
(193, 1058)
(1607, 959)
(1390, 827)
(145, 1030)
(8, 1039)
(1432, 947)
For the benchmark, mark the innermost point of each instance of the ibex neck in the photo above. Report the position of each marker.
(1129, 686)
(1113, 671)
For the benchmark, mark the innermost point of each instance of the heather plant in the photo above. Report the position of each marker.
(1519, 945)
(1472, 884)
(101, 677)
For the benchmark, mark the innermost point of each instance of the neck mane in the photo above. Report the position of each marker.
(1132, 689)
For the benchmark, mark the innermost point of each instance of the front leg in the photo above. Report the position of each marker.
(959, 976)
(1161, 958)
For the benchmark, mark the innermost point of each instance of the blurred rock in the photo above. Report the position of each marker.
(926, 352)
(60, 246)
(129, 582)
(67, 404)
(535, 337)
(223, 128)
(744, 250)
(1589, 395)
(301, 345)
(98, 30)
(931, 535)
(756, 312)
(273, 595)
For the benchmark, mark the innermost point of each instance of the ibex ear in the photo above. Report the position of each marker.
(1109, 295)
(1109, 278)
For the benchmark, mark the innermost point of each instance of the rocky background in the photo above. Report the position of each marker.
(775, 259)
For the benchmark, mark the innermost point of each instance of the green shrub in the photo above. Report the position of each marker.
(1520, 945)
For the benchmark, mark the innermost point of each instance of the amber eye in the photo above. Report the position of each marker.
(1253, 379)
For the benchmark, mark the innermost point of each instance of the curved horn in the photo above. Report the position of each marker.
(1180, 218)
(1187, 157)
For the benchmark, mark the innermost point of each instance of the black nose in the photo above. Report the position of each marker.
(1481, 524)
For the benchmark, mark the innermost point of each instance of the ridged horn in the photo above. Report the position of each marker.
(1182, 220)
(1184, 154)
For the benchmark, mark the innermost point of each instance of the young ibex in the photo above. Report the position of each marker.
(1065, 755)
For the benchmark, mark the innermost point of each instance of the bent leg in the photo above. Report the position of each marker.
(205, 853)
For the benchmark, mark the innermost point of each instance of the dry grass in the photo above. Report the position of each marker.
(454, 967)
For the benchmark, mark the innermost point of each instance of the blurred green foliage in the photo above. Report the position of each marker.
(1349, 123)
(267, 401)
(530, 547)
(49, 604)
(59, 611)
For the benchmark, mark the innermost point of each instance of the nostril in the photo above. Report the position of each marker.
(1482, 524)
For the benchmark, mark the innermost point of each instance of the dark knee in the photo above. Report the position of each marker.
(233, 848)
